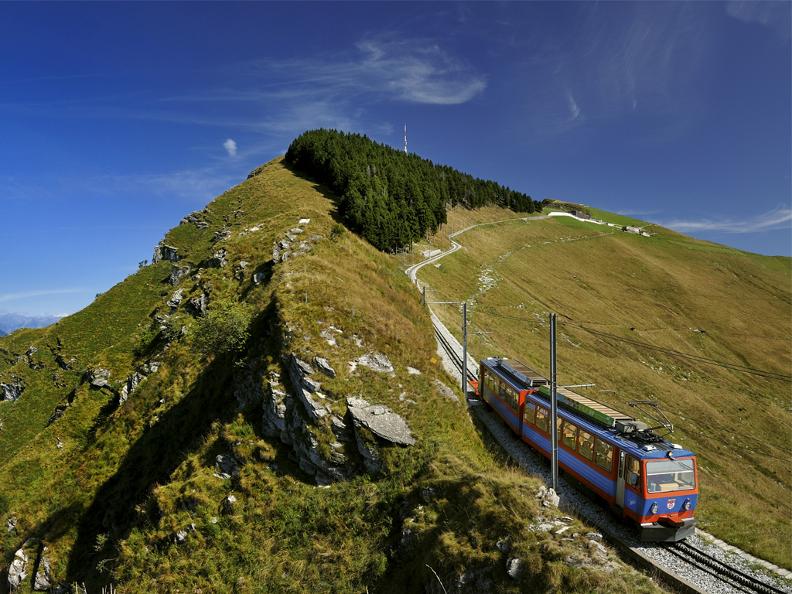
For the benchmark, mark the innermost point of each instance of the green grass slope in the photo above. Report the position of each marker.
(617, 293)
(128, 493)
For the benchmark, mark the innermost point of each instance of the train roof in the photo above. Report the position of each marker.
(593, 416)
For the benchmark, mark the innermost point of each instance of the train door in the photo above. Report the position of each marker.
(620, 481)
(521, 398)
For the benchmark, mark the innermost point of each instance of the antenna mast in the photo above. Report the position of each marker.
(405, 139)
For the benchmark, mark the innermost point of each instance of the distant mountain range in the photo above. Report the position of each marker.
(11, 321)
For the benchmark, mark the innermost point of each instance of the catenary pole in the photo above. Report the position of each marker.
(553, 404)
(464, 350)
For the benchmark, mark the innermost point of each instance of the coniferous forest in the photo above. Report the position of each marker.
(389, 197)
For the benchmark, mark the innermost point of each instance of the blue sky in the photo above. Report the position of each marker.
(119, 119)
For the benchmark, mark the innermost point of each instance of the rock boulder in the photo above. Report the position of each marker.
(12, 389)
(381, 421)
(165, 252)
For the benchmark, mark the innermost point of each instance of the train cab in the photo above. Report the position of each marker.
(658, 489)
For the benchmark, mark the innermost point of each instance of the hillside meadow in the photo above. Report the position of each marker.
(701, 328)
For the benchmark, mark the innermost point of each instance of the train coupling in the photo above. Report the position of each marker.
(666, 530)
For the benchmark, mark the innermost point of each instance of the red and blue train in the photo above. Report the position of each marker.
(646, 479)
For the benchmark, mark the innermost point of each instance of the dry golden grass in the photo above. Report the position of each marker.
(671, 291)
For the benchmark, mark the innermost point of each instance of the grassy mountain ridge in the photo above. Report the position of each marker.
(700, 327)
(132, 492)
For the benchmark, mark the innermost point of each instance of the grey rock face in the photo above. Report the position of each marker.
(514, 568)
(165, 252)
(98, 377)
(324, 366)
(239, 270)
(381, 421)
(43, 580)
(298, 374)
(376, 362)
(12, 389)
(445, 391)
(129, 386)
(196, 218)
(11, 524)
(177, 273)
(371, 457)
(197, 305)
(221, 235)
(17, 571)
(548, 496)
(259, 277)
(226, 466)
(218, 259)
(274, 412)
(59, 411)
(175, 299)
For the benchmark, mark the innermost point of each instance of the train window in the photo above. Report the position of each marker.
(632, 473)
(663, 476)
(603, 454)
(586, 444)
(568, 435)
(542, 419)
(530, 412)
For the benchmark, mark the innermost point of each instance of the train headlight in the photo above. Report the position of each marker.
(653, 509)
(686, 505)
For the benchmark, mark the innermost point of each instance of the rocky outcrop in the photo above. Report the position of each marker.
(130, 385)
(445, 391)
(301, 417)
(197, 305)
(324, 366)
(305, 388)
(98, 377)
(226, 466)
(177, 273)
(218, 259)
(239, 270)
(374, 361)
(12, 389)
(290, 245)
(19, 568)
(381, 421)
(221, 235)
(274, 411)
(175, 299)
(165, 252)
(197, 218)
(548, 497)
(42, 582)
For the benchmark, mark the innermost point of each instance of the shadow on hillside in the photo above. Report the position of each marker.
(151, 460)
(322, 189)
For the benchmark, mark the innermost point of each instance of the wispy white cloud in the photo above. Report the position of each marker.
(574, 110)
(230, 146)
(19, 296)
(383, 67)
(773, 15)
(778, 218)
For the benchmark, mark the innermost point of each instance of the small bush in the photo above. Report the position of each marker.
(337, 231)
(225, 329)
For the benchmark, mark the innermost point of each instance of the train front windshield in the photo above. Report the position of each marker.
(667, 476)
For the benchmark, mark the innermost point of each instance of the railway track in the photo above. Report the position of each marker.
(721, 570)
